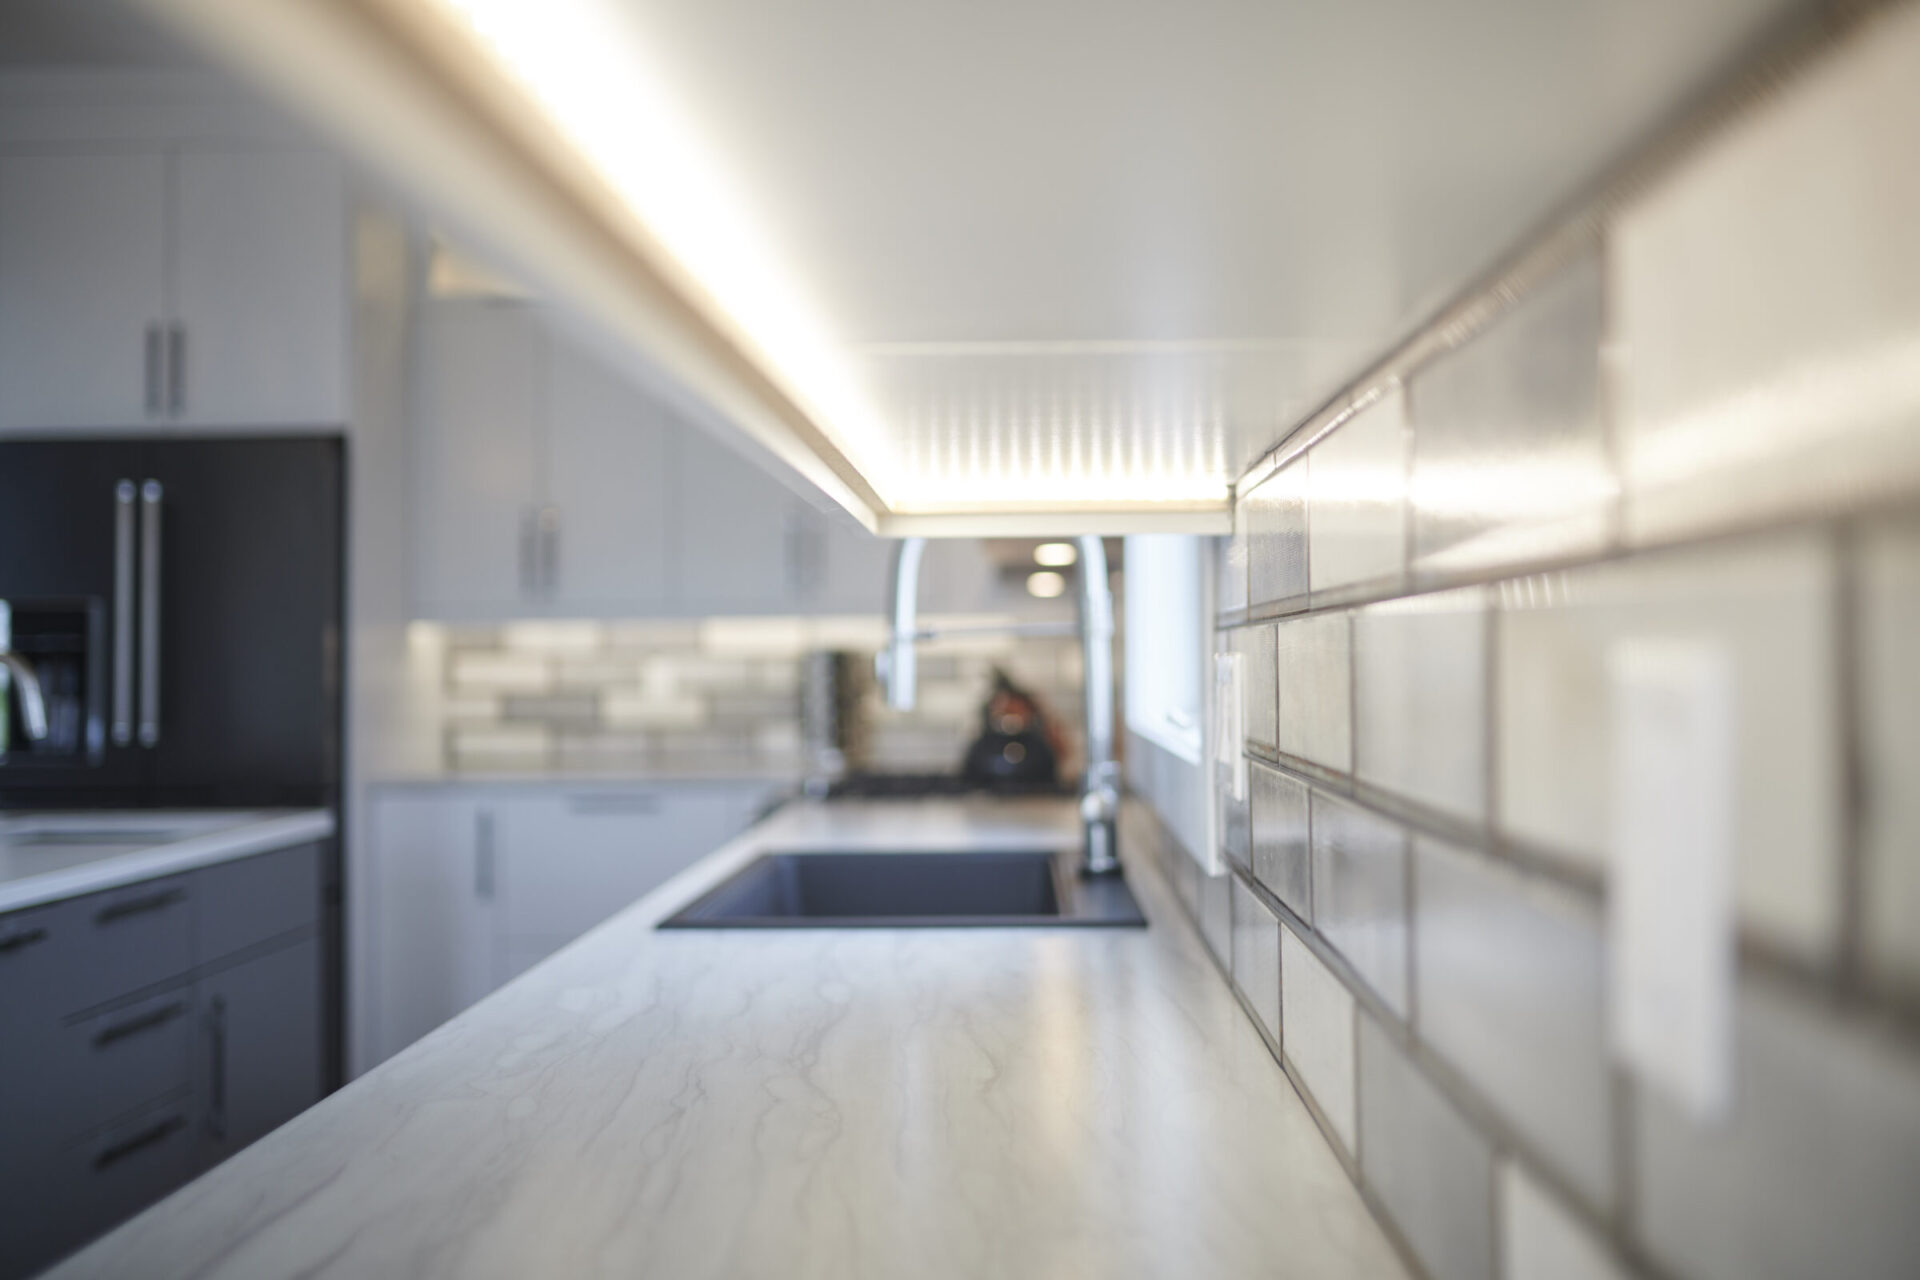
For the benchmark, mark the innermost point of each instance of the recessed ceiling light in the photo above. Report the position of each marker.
(1056, 554)
(1046, 584)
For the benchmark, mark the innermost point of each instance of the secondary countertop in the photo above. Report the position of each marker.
(805, 1103)
(45, 857)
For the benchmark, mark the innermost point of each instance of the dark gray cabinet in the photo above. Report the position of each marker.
(260, 1020)
(151, 1031)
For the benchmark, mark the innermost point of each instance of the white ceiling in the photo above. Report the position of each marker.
(1130, 242)
(1015, 256)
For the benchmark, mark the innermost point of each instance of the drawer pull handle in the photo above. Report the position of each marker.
(217, 1076)
(157, 1132)
(139, 906)
(25, 938)
(147, 1021)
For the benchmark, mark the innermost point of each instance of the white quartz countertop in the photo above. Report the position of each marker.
(45, 857)
(886, 1103)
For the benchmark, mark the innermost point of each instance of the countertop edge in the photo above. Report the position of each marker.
(278, 831)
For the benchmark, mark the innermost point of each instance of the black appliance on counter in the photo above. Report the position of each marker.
(180, 600)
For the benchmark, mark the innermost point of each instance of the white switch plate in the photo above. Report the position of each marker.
(1670, 868)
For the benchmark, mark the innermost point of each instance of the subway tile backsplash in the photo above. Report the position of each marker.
(1360, 893)
(1430, 1167)
(1420, 699)
(1767, 301)
(1357, 500)
(1315, 658)
(723, 695)
(1527, 1037)
(1816, 1172)
(1256, 955)
(1768, 605)
(1696, 420)
(1510, 462)
(1317, 1013)
(1282, 858)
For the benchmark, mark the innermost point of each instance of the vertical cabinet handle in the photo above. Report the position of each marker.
(176, 368)
(217, 1068)
(529, 552)
(549, 550)
(483, 856)
(150, 496)
(155, 396)
(122, 726)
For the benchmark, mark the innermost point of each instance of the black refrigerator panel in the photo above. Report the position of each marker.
(68, 545)
(199, 583)
(248, 589)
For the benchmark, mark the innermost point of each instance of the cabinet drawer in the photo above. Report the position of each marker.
(94, 1183)
(36, 949)
(112, 1062)
(126, 939)
(237, 904)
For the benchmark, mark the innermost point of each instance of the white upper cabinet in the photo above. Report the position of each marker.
(608, 466)
(738, 541)
(172, 288)
(548, 483)
(478, 459)
(83, 261)
(259, 288)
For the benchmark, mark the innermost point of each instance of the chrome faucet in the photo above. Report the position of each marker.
(33, 706)
(1100, 782)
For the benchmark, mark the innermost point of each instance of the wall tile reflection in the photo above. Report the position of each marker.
(1509, 462)
(1357, 499)
(1420, 699)
(1360, 893)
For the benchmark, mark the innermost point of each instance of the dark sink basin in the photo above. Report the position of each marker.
(910, 890)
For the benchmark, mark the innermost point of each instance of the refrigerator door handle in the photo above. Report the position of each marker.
(150, 495)
(154, 379)
(176, 368)
(122, 729)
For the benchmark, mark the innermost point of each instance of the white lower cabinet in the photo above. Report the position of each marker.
(473, 884)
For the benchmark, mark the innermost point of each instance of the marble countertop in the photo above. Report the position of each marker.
(45, 857)
(886, 1103)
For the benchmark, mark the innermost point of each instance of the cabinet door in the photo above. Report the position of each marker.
(261, 1026)
(736, 532)
(608, 465)
(478, 469)
(82, 281)
(851, 573)
(436, 875)
(575, 858)
(259, 288)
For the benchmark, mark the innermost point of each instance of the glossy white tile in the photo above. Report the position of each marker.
(1282, 858)
(1816, 1171)
(1431, 1169)
(1767, 302)
(1216, 916)
(1420, 699)
(1315, 663)
(1276, 515)
(1508, 969)
(1540, 1239)
(1888, 693)
(1230, 564)
(1256, 956)
(1360, 893)
(1257, 673)
(1510, 465)
(1769, 603)
(1357, 499)
(1316, 1011)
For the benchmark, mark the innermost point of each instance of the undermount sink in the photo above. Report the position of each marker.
(842, 890)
